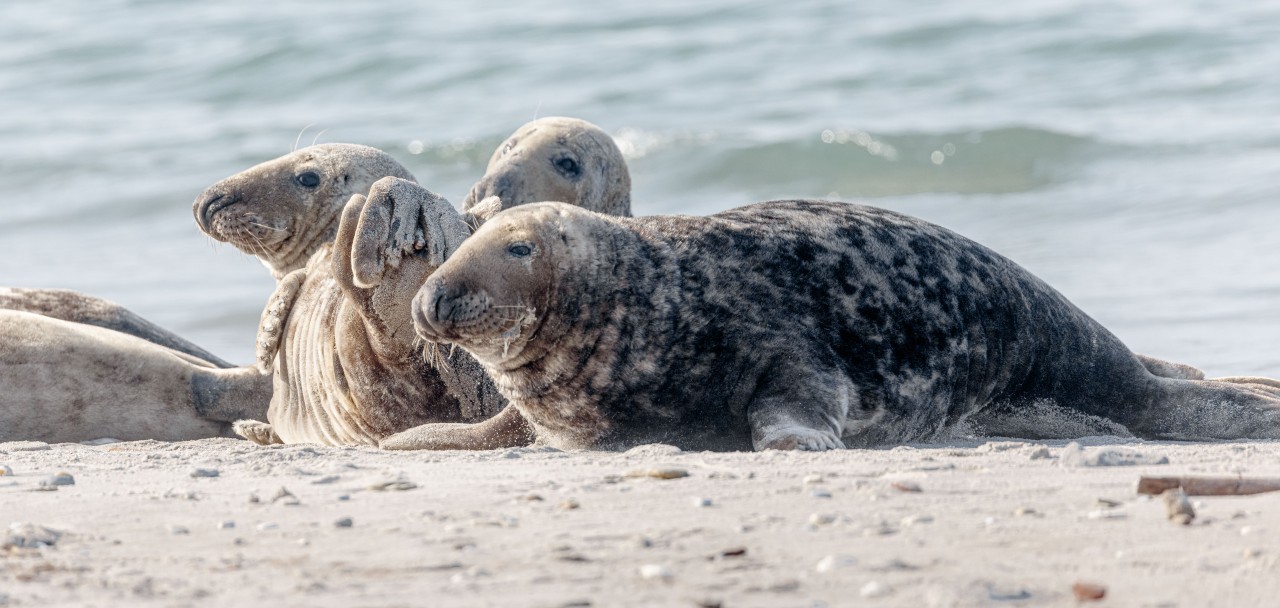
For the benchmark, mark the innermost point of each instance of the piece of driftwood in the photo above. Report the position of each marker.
(1208, 486)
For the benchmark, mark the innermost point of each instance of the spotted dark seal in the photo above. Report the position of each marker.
(789, 324)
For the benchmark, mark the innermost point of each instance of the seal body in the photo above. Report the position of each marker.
(790, 324)
(77, 307)
(67, 381)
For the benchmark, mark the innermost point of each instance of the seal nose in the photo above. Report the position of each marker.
(434, 308)
(209, 203)
(501, 185)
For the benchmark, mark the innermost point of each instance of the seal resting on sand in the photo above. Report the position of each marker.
(77, 307)
(65, 381)
(338, 333)
(789, 325)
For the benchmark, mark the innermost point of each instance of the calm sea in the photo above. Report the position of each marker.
(1127, 151)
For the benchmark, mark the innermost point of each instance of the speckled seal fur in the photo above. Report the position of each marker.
(790, 324)
(337, 334)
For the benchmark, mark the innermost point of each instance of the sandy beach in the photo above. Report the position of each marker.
(971, 523)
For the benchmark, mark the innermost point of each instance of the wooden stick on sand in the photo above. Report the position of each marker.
(1208, 486)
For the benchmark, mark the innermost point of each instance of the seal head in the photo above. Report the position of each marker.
(557, 159)
(283, 210)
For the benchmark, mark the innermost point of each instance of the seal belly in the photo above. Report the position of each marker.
(310, 403)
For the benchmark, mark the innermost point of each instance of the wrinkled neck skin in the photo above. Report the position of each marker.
(336, 384)
(313, 229)
(576, 375)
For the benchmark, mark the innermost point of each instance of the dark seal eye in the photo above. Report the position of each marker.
(568, 166)
(308, 180)
(520, 250)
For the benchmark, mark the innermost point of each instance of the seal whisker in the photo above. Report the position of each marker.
(317, 137)
(299, 137)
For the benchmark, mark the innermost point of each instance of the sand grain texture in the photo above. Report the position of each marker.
(997, 523)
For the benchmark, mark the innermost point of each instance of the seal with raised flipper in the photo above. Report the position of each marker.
(791, 325)
(338, 335)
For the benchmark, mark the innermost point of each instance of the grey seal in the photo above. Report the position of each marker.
(78, 307)
(65, 381)
(790, 325)
(337, 335)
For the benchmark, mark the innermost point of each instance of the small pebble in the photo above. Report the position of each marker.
(281, 494)
(176, 530)
(906, 486)
(253, 499)
(1251, 553)
(875, 589)
(835, 562)
(656, 572)
(569, 505)
(530, 498)
(1039, 453)
(1088, 592)
(5, 470)
(812, 479)
(701, 502)
(198, 472)
(268, 525)
(912, 520)
(659, 473)
(1026, 512)
(819, 493)
(227, 524)
(1107, 514)
(344, 497)
(61, 479)
(822, 519)
(304, 542)
(397, 486)
(31, 536)
(344, 522)
(1177, 508)
(327, 479)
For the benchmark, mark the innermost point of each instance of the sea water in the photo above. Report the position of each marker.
(1126, 151)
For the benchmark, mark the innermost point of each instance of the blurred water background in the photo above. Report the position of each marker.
(1127, 151)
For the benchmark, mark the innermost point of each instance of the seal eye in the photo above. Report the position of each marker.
(568, 166)
(308, 180)
(519, 250)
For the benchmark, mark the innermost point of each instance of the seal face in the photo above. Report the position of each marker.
(793, 325)
(283, 210)
(557, 159)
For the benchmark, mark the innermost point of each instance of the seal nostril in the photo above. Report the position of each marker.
(206, 208)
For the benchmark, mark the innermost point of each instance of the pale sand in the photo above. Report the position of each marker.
(495, 528)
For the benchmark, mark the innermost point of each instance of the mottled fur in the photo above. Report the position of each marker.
(790, 324)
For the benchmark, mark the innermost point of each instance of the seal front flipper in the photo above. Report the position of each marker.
(260, 433)
(387, 245)
(1169, 369)
(401, 219)
(275, 316)
(508, 429)
(799, 409)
